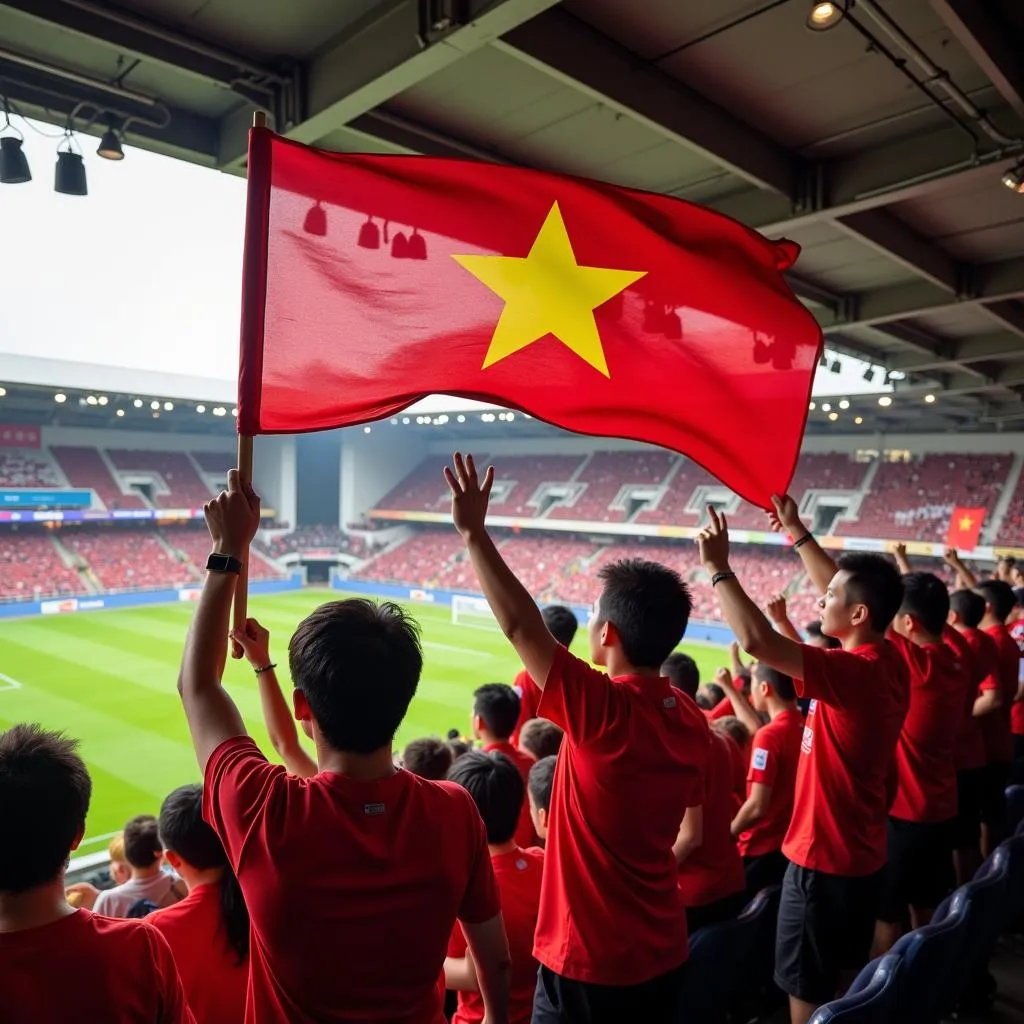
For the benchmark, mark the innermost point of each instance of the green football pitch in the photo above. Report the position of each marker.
(109, 679)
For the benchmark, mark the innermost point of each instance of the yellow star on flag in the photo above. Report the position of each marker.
(966, 522)
(548, 292)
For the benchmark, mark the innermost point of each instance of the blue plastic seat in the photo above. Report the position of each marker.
(932, 973)
(873, 998)
(1015, 882)
(1014, 808)
(718, 961)
(755, 990)
(987, 911)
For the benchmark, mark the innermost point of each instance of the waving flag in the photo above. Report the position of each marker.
(372, 281)
(965, 528)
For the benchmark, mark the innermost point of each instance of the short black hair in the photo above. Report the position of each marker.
(732, 727)
(542, 776)
(649, 606)
(429, 758)
(540, 738)
(561, 622)
(814, 629)
(969, 607)
(453, 734)
(184, 832)
(44, 798)
(712, 692)
(875, 582)
(142, 847)
(1000, 595)
(459, 749)
(497, 789)
(358, 664)
(682, 672)
(497, 704)
(926, 598)
(778, 681)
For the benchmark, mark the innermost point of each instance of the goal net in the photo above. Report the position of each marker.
(472, 611)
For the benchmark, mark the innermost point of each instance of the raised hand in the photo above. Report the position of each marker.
(233, 517)
(254, 641)
(713, 543)
(776, 608)
(785, 516)
(469, 495)
(724, 678)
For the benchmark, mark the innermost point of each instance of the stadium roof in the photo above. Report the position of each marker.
(878, 145)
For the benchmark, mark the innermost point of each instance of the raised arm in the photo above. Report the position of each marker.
(902, 562)
(516, 611)
(748, 623)
(232, 519)
(284, 736)
(735, 662)
(776, 611)
(965, 579)
(817, 562)
(738, 699)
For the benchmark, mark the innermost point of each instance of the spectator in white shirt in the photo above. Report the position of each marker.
(144, 854)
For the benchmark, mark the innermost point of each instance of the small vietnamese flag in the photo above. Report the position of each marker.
(965, 528)
(372, 281)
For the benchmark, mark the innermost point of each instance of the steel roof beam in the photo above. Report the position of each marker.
(972, 350)
(583, 58)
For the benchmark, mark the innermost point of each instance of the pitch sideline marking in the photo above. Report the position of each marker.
(10, 684)
(456, 650)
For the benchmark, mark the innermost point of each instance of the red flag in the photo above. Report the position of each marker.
(965, 528)
(372, 281)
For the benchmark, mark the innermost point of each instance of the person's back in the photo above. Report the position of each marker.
(148, 880)
(562, 623)
(58, 964)
(713, 871)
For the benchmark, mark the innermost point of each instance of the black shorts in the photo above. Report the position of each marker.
(970, 786)
(920, 868)
(561, 1000)
(993, 797)
(826, 924)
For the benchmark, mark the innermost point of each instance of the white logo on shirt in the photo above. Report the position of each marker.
(760, 759)
(374, 809)
(807, 741)
(520, 864)
(668, 702)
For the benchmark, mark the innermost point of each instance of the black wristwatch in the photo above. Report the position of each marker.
(223, 563)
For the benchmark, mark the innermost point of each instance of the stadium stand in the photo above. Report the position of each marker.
(25, 468)
(215, 462)
(184, 488)
(193, 542)
(31, 568)
(132, 559)
(522, 475)
(418, 561)
(604, 478)
(84, 467)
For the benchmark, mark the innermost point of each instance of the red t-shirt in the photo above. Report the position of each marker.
(1017, 711)
(978, 653)
(215, 982)
(840, 810)
(633, 759)
(529, 701)
(353, 887)
(519, 875)
(925, 766)
(997, 725)
(715, 869)
(525, 835)
(773, 762)
(86, 967)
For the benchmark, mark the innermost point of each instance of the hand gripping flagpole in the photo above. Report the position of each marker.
(250, 324)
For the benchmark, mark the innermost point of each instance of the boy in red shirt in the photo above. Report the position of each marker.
(58, 964)
(562, 625)
(611, 934)
(538, 791)
(540, 738)
(836, 841)
(919, 873)
(496, 787)
(208, 931)
(495, 713)
(761, 823)
(334, 866)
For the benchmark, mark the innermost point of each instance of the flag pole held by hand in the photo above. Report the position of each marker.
(254, 241)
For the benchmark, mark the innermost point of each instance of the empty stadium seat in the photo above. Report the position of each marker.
(873, 998)
(1014, 808)
(1014, 851)
(719, 957)
(756, 994)
(931, 975)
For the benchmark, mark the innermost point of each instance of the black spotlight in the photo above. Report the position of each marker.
(69, 177)
(1013, 179)
(869, 375)
(13, 164)
(316, 220)
(110, 146)
(824, 14)
(836, 367)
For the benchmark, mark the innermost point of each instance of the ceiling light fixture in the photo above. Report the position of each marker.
(825, 407)
(110, 146)
(858, 420)
(200, 409)
(812, 406)
(833, 416)
(869, 375)
(884, 401)
(60, 398)
(69, 174)
(168, 406)
(824, 14)
(836, 367)
(1013, 179)
(929, 399)
(137, 403)
(120, 412)
(844, 403)
(13, 163)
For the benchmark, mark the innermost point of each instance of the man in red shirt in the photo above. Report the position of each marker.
(58, 964)
(495, 713)
(836, 841)
(611, 934)
(496, 787)
(208, 931)
(919, 873)
(333, 867)
(562, 625)
(761, 823)
(1016, 627)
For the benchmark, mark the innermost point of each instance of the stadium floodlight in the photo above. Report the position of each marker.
(812, 406)
(120, 412)
(103, 400)
(405, 420)
(154, 405)
(461, 418)
(200, 409)
(69, 174)
(825, 407)
(366, 430)
(220, 411)
(234, 410)
(858, 420)
(884, 401)
(91, 400)
(137, 403)
(110, 146)
(60, 398)
(3, 391)
(929, 399)
(168, 406)
(825, 14)
(844, 403)
(833, 416)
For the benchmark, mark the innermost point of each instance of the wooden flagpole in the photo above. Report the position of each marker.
(241, 605)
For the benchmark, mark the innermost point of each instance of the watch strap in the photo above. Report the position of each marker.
(223, 563)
